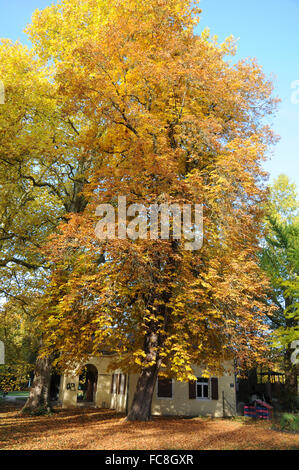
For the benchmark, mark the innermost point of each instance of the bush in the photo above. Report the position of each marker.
(14, 377)
(289, 422)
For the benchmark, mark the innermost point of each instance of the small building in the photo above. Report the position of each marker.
(215, 397)
(267, 385)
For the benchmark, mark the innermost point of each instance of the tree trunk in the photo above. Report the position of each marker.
(141, 409)
(39, 397)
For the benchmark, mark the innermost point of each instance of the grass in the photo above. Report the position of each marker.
(94, 429)
(18, 394)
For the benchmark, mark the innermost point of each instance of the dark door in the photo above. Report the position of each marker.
(92, 380)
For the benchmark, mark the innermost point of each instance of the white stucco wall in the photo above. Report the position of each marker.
(179, 404)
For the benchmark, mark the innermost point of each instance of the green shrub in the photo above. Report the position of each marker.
(288, 402)
(289, 422)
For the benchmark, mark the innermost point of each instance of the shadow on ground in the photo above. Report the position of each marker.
(89, 428)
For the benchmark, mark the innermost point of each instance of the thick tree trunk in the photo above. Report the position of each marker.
(39, 397)
(141, 409)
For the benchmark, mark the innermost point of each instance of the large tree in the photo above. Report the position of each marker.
(41, 179)
(168, 119)
(20, 345)
(280, 260)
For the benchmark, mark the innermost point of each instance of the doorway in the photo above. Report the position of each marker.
(88, 381)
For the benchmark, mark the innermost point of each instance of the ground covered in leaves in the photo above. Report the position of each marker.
(94, 429)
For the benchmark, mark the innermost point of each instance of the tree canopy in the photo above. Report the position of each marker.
(136, 104)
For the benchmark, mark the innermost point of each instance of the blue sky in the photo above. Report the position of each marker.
(266, 29)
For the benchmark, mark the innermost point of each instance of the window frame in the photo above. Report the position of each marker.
(208, 383)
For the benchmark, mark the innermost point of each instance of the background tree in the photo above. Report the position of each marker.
(16, 332)
(280, 260)
(41, 179)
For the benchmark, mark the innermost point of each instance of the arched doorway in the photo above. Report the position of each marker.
(88, 381)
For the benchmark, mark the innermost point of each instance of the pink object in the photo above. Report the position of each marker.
(263, 403)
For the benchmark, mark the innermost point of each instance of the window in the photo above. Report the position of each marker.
(118, 384)
(205, 389)
(202, 387)
(164, 388)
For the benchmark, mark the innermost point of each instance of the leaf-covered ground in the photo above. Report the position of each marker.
(92, 429)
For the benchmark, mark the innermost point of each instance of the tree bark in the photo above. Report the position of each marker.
(39, 396)
(141, 409)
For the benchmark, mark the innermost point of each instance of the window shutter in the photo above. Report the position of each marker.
(125, 383)
(112, 382)
(164, 388)
(118, 383)
(192, 390)
(214, 388)
(121, 384)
